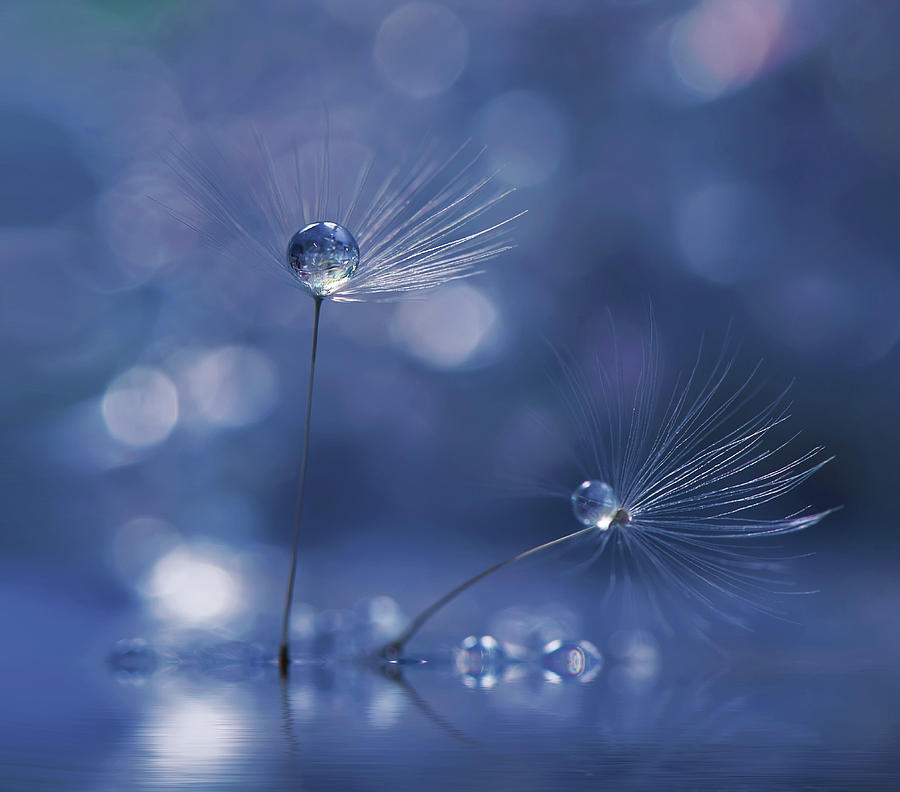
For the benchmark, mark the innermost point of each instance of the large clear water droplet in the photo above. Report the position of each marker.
(480, 659)
(571, 660)
(323, 256)
(595, 504)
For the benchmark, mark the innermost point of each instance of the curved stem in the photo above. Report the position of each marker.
(392, 650)
(284, 658)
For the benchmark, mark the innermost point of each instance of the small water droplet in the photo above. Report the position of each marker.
(572, 660)
(322, 256)
(480, 658)
(133, 657)
(595, 504)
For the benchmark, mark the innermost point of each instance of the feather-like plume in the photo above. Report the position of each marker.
(418, 226)
(673, 483)
(344, 240)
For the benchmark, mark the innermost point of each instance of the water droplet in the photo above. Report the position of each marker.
(133, 657)
(323, 256)
(480, 658)
(595, 504)
(572, 660)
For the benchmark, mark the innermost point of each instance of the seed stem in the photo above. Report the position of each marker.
(393, 650)
(284, 658)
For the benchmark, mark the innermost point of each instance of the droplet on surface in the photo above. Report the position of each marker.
(595, 504)
(579, 660)
(323, 256)
(480, 658)
(133, 657)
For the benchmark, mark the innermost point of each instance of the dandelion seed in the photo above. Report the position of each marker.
(418, 228)
(672, 487)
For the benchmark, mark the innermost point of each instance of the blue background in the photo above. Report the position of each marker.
(728, 161)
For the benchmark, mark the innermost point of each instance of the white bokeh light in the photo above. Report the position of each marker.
(193, 585)
(421, 49)
(721, 45)
(140, 408)
(525, 137)
(447, 330)
(231, 386)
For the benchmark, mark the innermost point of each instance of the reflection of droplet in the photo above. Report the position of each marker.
(323, 256)
(386, 707)
(421, 49)
(571, 660)
(194, 736)
(140, 407)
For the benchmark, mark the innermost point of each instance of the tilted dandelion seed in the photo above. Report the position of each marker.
(671, 487)
(415, 229)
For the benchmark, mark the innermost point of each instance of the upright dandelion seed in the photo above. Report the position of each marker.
(672, 484)
(414, 230)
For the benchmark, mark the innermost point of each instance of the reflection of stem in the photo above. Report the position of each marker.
(392, 650)
(286, 722)
(395, 674)
(284, 659)
(287, 725)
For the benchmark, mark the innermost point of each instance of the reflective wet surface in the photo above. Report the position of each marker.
(511, 711)
(354, 728)
(733, 163)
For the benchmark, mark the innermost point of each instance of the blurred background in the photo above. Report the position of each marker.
(730, 161)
